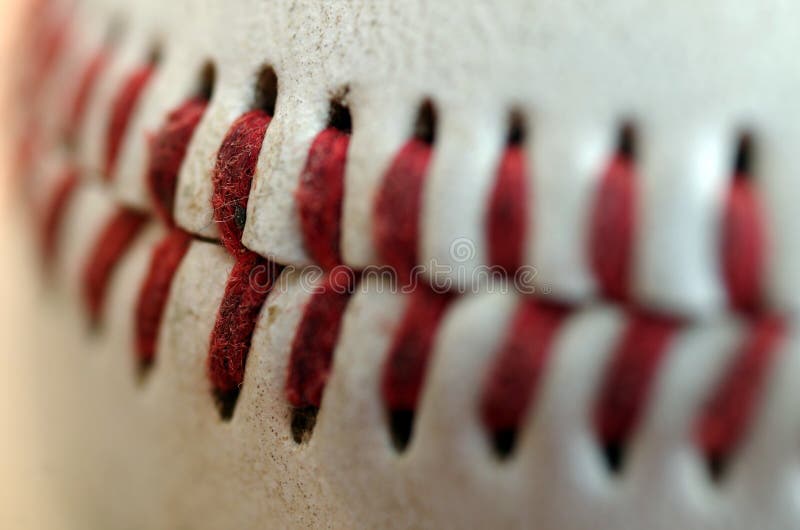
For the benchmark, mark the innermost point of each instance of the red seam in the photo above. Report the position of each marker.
(407, 360)
(613, 224)
(508, 216)
(122, 108)
(55, 210)
(319, 196)
(730, 409)
(315, 339)
(397, 208)
(743, 245)
(109, 248)
(514, 376)
(87, 84)
(233, 175)
(167, 149)
(164, 262)
(248, 285)
(629, 377)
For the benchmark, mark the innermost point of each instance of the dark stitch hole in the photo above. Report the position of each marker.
(516, 129)
(627, 142)
(155, 54)
(226, 403)
(401, 426)
(743, 160)
(143, 369)
(717, 466)
(239, 216)
(205, 84)
(339, 117)
(425, 125)
(266, 90)
(503, 442)
(614, 454)
(303, 421)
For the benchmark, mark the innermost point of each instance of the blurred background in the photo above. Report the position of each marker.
(26, 493)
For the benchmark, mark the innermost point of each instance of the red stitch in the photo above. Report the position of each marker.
(167, 149)
(315, 340)
(53, 43)
(109, 248)
(55, 210)
(508, 215)
(730, 409)
(743, 245)
(88, 81)
(514, 376)
(630, 376)
(121, 111)
(613, 222)
(397, 208)
(407, 360)
(319, 196)
(233, 175)
(164, 263)
(247, 287)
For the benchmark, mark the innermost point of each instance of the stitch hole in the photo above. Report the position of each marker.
(744, 157)
(303, 421)
(266, 92)
(206, 82)
(627, 141)
(155, 54)
(339, 116)
(226, 403)
(614, 456)
(516, 129)
(503, 443)
(425, 123)
(401, 427)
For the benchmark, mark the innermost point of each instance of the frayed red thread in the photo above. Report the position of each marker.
(728, 413)
(407, 361)
(164, 262)
(629, 377)
(397, 208)
(319, 196)
(743, 245)
(55, 210)
(315, 339)
(248, 285)
(121, 111)
(109, 248)
(613, 222)
(507, 218)
(233, 175)
(167, 149)
(85, 89)
(514, 376)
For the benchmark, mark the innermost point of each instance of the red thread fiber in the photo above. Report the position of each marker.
(630, 376)
(121, 111)
(233, 174)
(248, 285)
(729, 411)
(508, 216)
(514, 377)
(109, 248)
(315, 340)
(319, 196)
(167, 149)
(743, 245)
(397, 208)
(88, 81)
(55, 210)
(613, 223)
(164, 262)
(407, 361)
